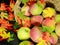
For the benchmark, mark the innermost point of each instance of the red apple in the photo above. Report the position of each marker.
(35, 34)
(49, 22)
(36, 20)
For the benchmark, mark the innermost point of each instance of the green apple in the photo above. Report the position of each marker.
(57, 29)
(23, 33)
(57, 18)
(36, 9)
(26, 43)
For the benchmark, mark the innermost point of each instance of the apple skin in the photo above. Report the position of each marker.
(36, 20)
(57, 18)
(48, 12)
(57, 29)
(53, 38)
(23, 33)
(49, 21)
(26, 43)
(48, 24)
(36, 9)
(35, 34)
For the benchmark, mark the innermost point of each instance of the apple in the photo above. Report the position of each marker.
(23, 33)
(36, 20)
(35, 34)
(49, 21)
(48, 12)
(26, 43)
(36, 9)
(57, 29)
(57, 18)
(48, 24)
(53, 38)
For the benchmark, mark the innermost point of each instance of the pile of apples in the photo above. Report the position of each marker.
(42, 27)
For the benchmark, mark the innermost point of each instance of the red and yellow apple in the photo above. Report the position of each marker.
(36, 20)
(35, 34)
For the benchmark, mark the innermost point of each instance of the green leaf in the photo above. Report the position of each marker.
(24, 1)
(11, 38)
(43, 29)
(21, 15)
(48, 29)
(40, 4)
(16, 25)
